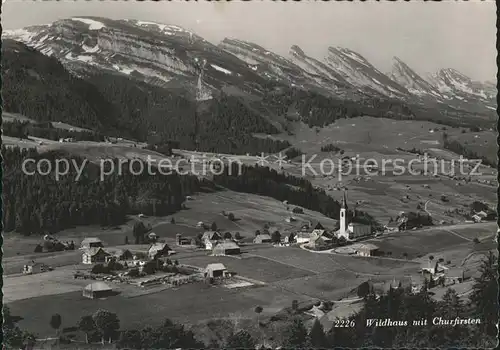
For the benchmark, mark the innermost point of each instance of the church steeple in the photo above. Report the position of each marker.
(344, 201)
(343, 218)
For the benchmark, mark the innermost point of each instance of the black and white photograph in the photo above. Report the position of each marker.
(249, 174)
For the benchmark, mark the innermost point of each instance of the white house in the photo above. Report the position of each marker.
(476, 218)
(302, 237)
(94, 255)
(210, 239)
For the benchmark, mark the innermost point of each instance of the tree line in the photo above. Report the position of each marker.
(459, 148)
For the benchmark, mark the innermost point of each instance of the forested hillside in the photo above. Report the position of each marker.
(40, 88)
(34, 204)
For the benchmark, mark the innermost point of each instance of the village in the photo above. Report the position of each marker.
(302, 263)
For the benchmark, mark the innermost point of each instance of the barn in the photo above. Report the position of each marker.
(97, 290)
(226, 248)
(262, 238)
(366, 249)
(215, 270)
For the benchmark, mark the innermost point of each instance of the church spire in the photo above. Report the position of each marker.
(344, 201)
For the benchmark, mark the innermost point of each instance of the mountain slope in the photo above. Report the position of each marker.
(39, 87)
(361, 73)
(414, 83)
(269, 65)
(163, 79)
(463, 91)
(164, 55)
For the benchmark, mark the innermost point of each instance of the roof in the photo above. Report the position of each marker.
(91, 240)
(395, 282)
(227, 245)
(366, 246)
(94, 251)
(215, 267)
(357, 224)
(301, 234)
(97, 287)
(210, 235)
(263, 236)
(118, 252)
(317, 226)
(158, 246)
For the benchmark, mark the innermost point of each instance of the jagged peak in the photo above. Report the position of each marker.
(345, 52)
(296, 50)
(453, 73)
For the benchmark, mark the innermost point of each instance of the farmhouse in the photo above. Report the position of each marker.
(157, 250)
(215, 270)
(211, 235)
(318, 240)
(91, 242)
(402, 282)
(366, 249)
(210, 239)
(226, 248)
(302, 237)
(476, 218)
(179, 240)
(456, 275)
(262, 238)
(97, 290)
(119, 254)
(34, 267)
(94, 255)
(481, 214)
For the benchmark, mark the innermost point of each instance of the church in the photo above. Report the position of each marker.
(351, 231)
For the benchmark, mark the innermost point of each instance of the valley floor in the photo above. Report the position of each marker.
(279, 274)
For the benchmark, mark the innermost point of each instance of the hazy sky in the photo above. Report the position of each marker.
(427, 36)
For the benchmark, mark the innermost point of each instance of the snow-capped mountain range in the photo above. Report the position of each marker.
(171, 56)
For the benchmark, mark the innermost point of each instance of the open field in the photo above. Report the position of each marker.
(333, 285)
(416, 243)
(326, 263)
(59, 281)
(188, 304)
(252, 212)
(256, 268)
(15, 264)
(368, 138)
(289, 272)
